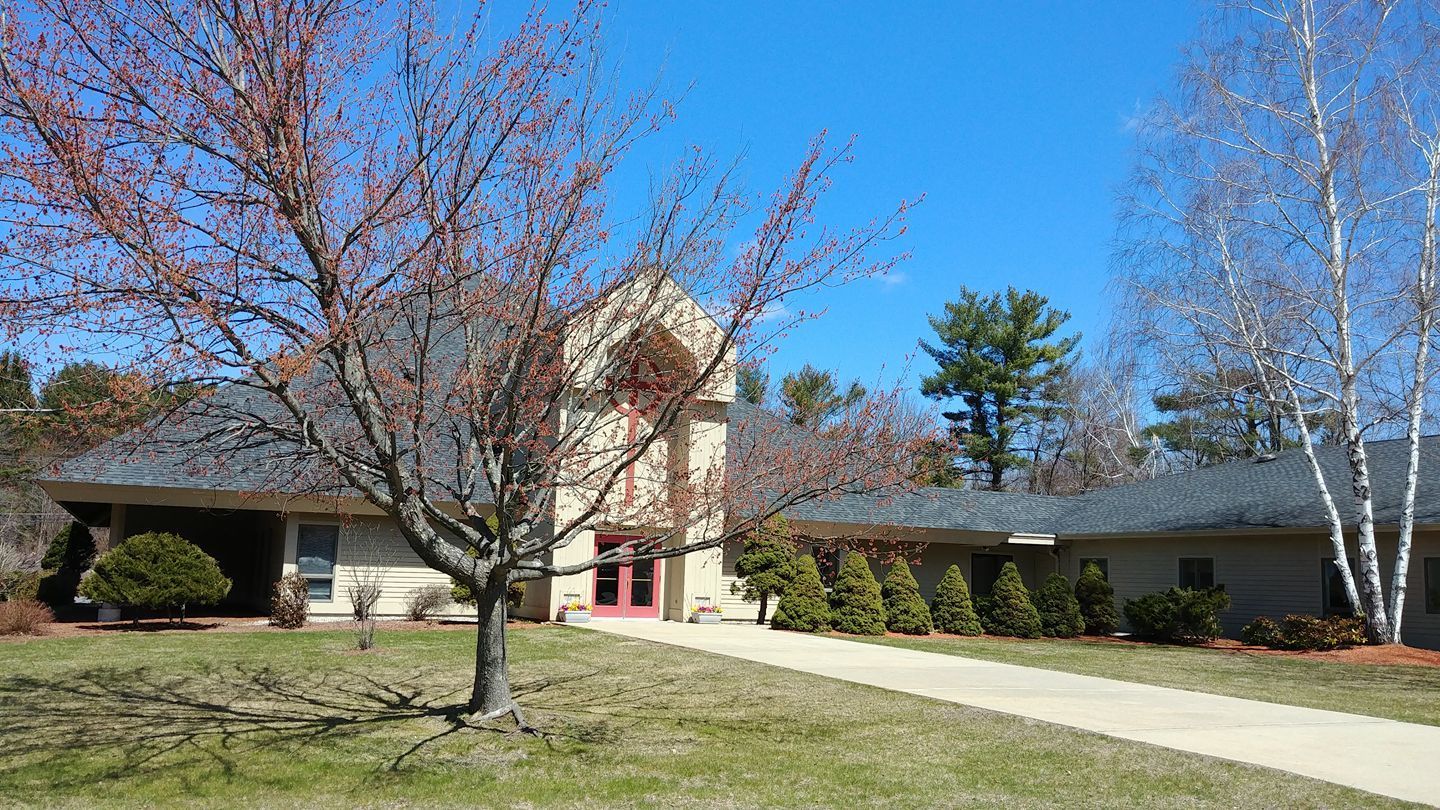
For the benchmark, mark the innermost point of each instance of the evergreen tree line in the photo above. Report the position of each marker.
(859, 604)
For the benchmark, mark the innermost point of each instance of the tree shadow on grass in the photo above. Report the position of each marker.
(125, 723)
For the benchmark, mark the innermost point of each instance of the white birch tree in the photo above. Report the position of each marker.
(1282, 215)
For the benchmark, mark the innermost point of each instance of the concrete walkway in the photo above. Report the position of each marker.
(1382, 756)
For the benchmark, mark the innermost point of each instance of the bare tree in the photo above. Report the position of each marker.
(367, 566)
(1279, 221)
(1095, 439)
(390, 245)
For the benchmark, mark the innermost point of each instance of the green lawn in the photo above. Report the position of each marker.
(1409, 693)
(265, 719)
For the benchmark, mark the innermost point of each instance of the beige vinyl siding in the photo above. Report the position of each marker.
(1417, 628)
(375, 545)
(735, 608)
(1265, 574)
(1268, 576)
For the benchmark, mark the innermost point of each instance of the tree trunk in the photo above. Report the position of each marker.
(1377, 624)
(491, 696)
(764, 601)
(1425, 320)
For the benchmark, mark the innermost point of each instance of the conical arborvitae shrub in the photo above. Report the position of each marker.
(803, 605)
(1009, 611)
(952, 610)
(766, 565)
(856, 606)
(1059, 611)
(1097, 601)
(905, 610)
(67, 558)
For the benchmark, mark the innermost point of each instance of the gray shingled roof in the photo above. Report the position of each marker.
(204, 451)
(196, 447)
(1280, 493)
(938, 508)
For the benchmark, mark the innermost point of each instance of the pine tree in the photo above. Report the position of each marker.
(812, 397)
(905, 610)
(1097, 601)
(752, 383)
(952, 610)
(856, 606)
(156, 571)
(803, 605)
(1009, 611)
(1000, 357)
(766, 566)
(1059, 611)
(16, 386)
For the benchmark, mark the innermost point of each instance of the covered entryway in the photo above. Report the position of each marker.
(248, 545)
(625, 591)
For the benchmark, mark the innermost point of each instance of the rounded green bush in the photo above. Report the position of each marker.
(1263, 632)
(156, 571)
(952, 610)
(1181, 615)
(856, 606)
(1009, 611)
(803, 606)
(1097, 601)
(1059, 610)
(905, 610)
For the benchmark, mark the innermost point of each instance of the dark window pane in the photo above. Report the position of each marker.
(1103, 562)
(1432, 584)
(315, 548)
(607, 585)
(642, 593)
(1332, 588)
(1197, 572)
(321, 590)
(985, 569)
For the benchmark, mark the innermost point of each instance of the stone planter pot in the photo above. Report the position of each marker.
(108, 613)
(705, 618)
(575, 616)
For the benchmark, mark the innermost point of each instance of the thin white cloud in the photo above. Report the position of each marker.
(894, 279)
(774, 311)
(1133, 120)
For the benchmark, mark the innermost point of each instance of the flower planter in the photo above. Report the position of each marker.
(575, 616)
(705, 618)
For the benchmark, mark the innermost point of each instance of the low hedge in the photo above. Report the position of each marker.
(1178, 615)
(1301, 632)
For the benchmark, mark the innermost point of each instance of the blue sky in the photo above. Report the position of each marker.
(1011, 118)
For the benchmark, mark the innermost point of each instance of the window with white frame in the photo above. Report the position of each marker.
(1197, 572)
(316, 548)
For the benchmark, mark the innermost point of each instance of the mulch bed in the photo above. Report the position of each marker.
(1385, 655)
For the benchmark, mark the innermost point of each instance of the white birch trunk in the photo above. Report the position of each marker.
(1415, 404)
(1337, 263)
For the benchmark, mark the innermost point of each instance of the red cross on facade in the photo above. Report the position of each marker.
(634, 396)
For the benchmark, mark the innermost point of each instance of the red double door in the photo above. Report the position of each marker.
(626, 591)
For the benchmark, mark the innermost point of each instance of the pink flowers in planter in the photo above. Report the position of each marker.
(575, 606)
(706, 609)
